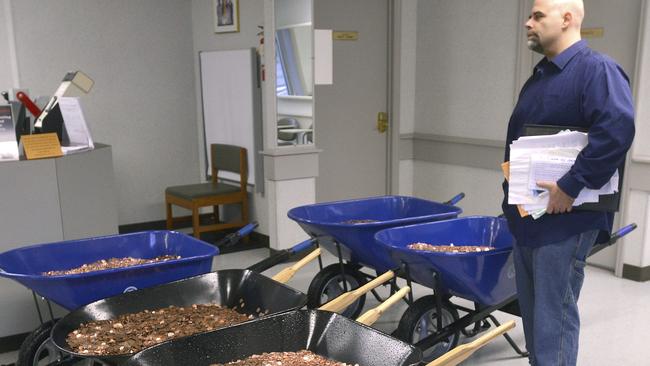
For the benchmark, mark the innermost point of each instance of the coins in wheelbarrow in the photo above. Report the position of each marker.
(111, 263)
(451, 248)
(130, 333)
(300, 358)
(359, 221)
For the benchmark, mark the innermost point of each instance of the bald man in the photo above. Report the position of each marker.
(577, 87)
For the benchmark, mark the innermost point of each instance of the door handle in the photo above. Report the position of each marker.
(382, 122)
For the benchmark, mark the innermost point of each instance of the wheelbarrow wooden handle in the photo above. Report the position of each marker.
(288, 273)
(371, 316)
(340, 303)
(461, 353)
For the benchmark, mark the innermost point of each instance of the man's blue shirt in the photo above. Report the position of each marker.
(579, 87)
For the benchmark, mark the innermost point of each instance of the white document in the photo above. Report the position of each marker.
(546, 167)
(8, 144)
(562, 139)
(8, 151)
(522, 184)
(75, 125)
(563, 144)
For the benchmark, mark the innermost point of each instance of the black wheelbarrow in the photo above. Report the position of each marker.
(324, 333)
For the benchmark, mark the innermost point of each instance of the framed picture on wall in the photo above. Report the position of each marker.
(226, 15)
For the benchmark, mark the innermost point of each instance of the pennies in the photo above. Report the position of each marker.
(300, 358)
(130, 333)
(111, 263)
(451, 248)
(359, 221)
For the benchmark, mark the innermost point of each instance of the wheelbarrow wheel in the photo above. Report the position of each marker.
(420, 320)
(328, 284)
(37, 348)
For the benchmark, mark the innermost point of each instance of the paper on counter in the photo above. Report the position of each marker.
(75, 125)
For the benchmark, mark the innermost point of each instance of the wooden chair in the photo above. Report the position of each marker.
(194, 196)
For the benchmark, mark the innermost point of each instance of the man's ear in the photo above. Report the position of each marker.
(567, 19)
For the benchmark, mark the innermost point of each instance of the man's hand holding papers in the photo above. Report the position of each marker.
(558, 201)
(545, 159)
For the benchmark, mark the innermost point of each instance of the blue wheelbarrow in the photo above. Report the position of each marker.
(347, 228)
(172, 282)
(485, 278)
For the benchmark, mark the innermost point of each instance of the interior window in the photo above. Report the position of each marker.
(286, 64)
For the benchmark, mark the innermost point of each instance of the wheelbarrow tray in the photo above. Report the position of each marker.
(27, 264)
(327, 220)
(230, 288)
(487, 278)
(327, 334)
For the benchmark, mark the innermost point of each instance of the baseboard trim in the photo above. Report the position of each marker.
(12, 343)
(634, 273)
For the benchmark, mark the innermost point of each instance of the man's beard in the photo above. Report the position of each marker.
(534, 45)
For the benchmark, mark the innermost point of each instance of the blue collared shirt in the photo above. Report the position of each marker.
(579, 87)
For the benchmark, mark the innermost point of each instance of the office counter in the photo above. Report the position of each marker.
(49, 200)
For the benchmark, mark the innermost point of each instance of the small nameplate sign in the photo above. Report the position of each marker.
(345, 35)
(592, 32)
(44, 145)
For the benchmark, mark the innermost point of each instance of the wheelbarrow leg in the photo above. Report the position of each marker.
(509, 339)
(338, 252)
(49, 308)
(38, 308)
(320, 258)
(438, 294)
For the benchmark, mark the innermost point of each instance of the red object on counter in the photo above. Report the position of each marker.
(33, 109)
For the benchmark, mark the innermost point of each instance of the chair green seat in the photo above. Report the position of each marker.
(193, 191)
(194, 197)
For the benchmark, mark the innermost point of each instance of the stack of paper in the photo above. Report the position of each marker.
(546, 158)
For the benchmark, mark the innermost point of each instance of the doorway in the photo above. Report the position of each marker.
(354, 159)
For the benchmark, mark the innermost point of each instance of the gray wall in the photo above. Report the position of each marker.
(6, 79)
(465, 86)
(143, 103)
(471, 62)
(292, 12)
(466, 51)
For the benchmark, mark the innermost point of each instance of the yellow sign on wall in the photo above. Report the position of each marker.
(345, 35)
(592, 32)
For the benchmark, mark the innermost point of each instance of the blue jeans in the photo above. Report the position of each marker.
(549, 279)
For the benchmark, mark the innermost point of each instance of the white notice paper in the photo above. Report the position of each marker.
(548, 168)
(8, 144)
(323, 51)
(75, 125)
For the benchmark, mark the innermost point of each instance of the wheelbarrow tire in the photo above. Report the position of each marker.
(422, 313)
(35, 347)
(329, 280)
(38, 349)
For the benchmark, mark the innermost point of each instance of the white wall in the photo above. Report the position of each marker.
(6, 41)
(470, 65)
(407, 44)
(143, 56)
(466, 54)
(292, 12)
(440, 182)
(143, 103)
